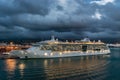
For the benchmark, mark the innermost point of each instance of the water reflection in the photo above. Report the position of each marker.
(84, 68)
(10, 65)
(79, 68)
(22, 67)
(45, 63)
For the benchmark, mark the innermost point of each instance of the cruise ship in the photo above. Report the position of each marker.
(54, 48)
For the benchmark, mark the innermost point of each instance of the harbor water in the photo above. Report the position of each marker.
(73, 68)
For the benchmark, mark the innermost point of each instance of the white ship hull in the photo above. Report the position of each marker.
(49, 54)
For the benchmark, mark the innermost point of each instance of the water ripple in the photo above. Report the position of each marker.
(77, 68)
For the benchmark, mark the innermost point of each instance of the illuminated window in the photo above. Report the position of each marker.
(45, 54)
(51, 54)
(60, 53)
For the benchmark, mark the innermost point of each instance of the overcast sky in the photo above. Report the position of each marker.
(65, 19)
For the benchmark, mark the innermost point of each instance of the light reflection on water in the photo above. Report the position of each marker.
(21, 67)
(75, 68)
(85, 69)
(10, 65)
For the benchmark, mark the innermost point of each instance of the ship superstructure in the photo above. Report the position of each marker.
(54, 48)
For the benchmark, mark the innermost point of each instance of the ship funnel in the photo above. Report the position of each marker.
(52, 38)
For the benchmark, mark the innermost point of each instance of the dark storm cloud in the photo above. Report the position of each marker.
(14, 7)
(66, 19)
